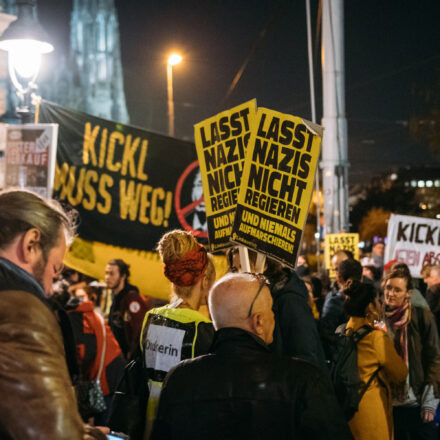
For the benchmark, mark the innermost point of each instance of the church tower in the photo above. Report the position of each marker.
(94, 67)
(90, 78)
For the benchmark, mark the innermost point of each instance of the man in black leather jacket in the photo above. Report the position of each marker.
(242, 390)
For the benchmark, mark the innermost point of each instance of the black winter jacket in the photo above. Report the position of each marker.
(423, 351)
(296, 333)
(243, 391)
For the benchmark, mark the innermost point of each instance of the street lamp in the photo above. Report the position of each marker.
(25, 41)
(173, 60)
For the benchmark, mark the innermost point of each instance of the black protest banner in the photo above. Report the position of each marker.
(277, 184)
(221, 143)
(129, 185)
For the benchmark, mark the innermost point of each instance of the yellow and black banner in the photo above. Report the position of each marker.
(277, 184)
(129, 185)
(91, 258)
(221, 143)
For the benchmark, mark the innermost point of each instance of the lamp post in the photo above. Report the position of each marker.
(173, 60)
(25, 41)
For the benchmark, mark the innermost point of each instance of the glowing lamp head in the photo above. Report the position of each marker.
(25, 56)
(25, 41)
(174, 59)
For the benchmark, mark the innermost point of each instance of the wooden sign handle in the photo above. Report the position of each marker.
(245, 262)
(260, 263)
(244, 259)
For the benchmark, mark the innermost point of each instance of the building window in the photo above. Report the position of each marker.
(421, 184)
(437, 183)
(413, 183)
(101, 34)
(429, 183)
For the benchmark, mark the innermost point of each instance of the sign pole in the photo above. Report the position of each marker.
(260, 263)
(244, 259)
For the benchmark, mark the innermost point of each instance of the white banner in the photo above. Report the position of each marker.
(414, 241)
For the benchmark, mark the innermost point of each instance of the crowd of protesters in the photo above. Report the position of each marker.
(248, 356)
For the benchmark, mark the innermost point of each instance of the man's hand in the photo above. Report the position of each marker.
(427, 416)
(95, 432)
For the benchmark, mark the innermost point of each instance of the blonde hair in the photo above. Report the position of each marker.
(426, 271)
(173, 246)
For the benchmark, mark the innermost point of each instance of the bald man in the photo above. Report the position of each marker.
(241, 390)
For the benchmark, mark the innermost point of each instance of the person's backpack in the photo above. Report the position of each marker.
(344, 372)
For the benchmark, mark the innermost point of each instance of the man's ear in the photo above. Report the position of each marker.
(205, 282)
(339, 279)
(30, 246)
(258, 324)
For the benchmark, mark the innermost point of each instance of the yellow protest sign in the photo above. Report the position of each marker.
(277, 184)
(146, 268)
(221, 143)
(336, 242)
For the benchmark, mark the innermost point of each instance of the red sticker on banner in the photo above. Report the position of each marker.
(196, 207)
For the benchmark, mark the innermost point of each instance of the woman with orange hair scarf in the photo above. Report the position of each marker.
(178, 330)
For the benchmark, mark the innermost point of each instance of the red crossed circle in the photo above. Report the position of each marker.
(182, 212)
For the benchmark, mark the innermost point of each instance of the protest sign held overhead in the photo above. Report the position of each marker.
(414, 241)
(277, 184)
(123, 180)
(336, 242)
(221, 143)
(30, 157)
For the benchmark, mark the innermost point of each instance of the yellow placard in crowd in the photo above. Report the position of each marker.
(221, 143)
(277, 184)
(336, 242)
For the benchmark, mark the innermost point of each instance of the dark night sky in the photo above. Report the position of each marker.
(392, 49)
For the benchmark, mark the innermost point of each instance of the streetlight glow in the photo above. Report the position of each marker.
(12, 45)
(26, 62)
(25, 41)
(174, 59)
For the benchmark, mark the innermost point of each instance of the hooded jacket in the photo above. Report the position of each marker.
(296, 333)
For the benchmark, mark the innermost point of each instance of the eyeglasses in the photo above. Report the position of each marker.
(263, 282)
